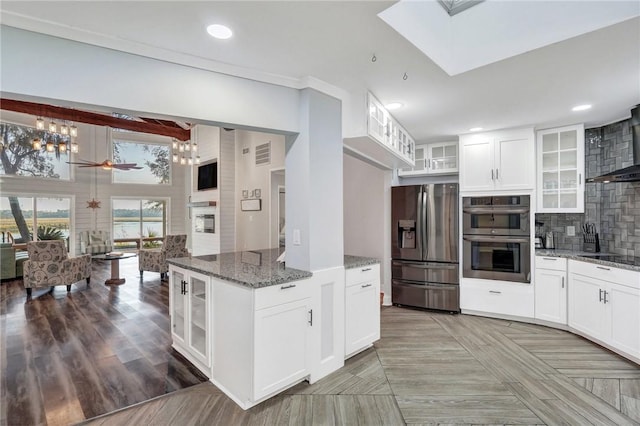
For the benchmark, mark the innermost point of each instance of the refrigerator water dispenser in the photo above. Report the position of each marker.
(407, 233)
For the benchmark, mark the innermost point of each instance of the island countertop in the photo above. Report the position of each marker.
(255, 268)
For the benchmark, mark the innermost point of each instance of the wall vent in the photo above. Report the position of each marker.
(263, 154)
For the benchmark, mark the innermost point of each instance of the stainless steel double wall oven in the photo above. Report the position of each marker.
(496, 238)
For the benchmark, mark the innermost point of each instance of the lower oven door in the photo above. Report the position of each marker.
(501, 258)
(445, 297)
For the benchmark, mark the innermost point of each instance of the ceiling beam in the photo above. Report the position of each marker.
(78, 116)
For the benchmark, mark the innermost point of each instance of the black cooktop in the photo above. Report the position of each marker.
(624, 260)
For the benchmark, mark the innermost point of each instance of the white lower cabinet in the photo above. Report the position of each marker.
(604, 303)
(281, 342)
(497, 297)
(550, 280)
(190, 311)
(362, 308)
(262, 338)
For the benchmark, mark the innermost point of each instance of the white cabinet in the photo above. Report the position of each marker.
(263, 338)
(387, 144)
(362, 308)
(497, 161)
(496, 297)
(560, 170)
(189, 303)
(281, 342)
(431, 159)
(604, 303)
(551, 289)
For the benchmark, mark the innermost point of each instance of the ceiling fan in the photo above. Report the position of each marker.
(106, 165)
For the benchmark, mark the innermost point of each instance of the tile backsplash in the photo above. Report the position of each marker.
(613, 207)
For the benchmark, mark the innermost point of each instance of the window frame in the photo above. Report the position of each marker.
(125, 136)
(166, 213)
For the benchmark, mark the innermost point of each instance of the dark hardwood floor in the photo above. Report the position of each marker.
(67, 357)
(70, 357)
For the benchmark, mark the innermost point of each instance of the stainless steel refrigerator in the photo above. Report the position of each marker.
(424, 246)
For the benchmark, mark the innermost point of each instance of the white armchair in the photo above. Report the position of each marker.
(95, 242)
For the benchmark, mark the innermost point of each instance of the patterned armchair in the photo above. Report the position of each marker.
(155, 260)
(95, 242)
(49, 265)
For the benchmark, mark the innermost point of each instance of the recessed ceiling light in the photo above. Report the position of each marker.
(393, 105)
(475, 129)
(581, 107)
(219, 31)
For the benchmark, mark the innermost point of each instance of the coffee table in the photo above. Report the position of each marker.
(115, 266)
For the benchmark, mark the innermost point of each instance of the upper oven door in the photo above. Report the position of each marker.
(497, 258)
(496, 220)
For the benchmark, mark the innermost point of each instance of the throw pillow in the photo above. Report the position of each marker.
(95, 239)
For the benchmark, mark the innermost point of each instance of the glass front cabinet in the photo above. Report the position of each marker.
(560, 170)
(190, 315)
(434, 158)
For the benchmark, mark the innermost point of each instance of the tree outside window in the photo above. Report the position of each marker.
(154, 159)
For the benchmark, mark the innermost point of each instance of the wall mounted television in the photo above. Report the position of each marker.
(208, 176)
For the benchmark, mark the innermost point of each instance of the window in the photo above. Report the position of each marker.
(134, 219)
(153, 157)
(19, 216)
(20, 159)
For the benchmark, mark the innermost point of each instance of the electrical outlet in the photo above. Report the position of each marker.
(571, 231)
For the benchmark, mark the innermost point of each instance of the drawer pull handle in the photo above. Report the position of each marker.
(603, 268)
(550, 258)
(365, 269)
(284, 287)
(366, 285)
(495, 292)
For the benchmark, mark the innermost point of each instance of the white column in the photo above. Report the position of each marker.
(313, 182)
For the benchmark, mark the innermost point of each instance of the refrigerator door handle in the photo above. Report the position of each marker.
(423, 265)
(419, 224)
(423, 220)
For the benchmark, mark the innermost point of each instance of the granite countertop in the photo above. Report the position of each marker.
(351, 262)
(608, 259)
(256, 268)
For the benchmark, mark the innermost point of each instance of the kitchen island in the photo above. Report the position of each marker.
(256, 327)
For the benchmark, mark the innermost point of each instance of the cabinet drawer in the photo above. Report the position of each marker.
(282, 293)
(606, 273)
(362, 274)
(497, 297)
(550, 262)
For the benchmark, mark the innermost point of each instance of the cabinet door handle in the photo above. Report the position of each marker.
(185, 287)
(600, 295)
(366, 285)
(495, 292)
(603, 268)
(605, 297)
(562, 282)
(365, 269)
(492, 178)
(580, 179)
(284, 287)
(311, 317)
(550, 258)
(497, 174)
(181, 286)
(428, 161)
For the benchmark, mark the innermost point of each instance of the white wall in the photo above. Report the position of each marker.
(366, 189)
(88, 183)
(253, 227)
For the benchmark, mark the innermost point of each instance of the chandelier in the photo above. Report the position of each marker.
(61, 139)
(183, 152)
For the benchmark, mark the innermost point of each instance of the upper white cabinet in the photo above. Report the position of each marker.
(387, 144)
(560, 170)
(434, 158)
(497, 161)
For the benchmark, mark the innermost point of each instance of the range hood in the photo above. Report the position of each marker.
(631, 173)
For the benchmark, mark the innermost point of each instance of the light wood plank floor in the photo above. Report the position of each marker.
(428, 369)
